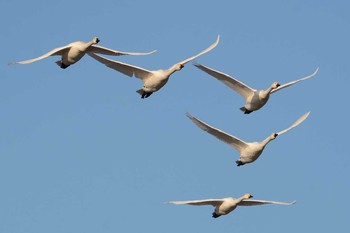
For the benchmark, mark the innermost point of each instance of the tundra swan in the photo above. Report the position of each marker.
(152, 80)
(74, 51)
(249, 151)
(255, 99)
(226, 205)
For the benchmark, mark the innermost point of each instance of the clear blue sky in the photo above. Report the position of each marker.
(80, 151)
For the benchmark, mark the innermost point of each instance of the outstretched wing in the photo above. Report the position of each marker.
(213, 202)
(241, 88)
(107, 51)
(251, 202)
(237, 143)
(54, 52)
(296, 123)
(295, 81)
(201, 53)
(124, 68)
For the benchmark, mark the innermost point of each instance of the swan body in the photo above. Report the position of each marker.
(226, 205)
(249, 151)
(255, 99)
(74, 51)
(152, 80)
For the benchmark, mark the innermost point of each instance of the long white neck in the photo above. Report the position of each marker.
(241, 198)
(173, 69)
(265, 94)
(83, 46)
(266, 141)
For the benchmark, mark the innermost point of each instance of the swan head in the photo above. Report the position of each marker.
(273, 136)
(247, 196)
(95, 40)
(275, 85)
(179, 66)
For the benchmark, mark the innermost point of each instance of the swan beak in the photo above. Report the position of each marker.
(181, 66)
(278, 84)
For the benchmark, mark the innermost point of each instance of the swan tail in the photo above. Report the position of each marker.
(141, 91)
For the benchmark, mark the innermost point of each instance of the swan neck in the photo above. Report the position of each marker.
(88, 44)
(268, 90)
(172, 69)
(267, 140)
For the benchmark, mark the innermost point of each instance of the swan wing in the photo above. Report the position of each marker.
(107, 51)
(241, 88)
(237, 143)
(296, 123)
(251, 202)
(213, 202)
(54, 52)
(201, 53)
(124, 68)
(295, 81)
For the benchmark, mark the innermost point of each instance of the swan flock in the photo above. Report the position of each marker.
(154, 80)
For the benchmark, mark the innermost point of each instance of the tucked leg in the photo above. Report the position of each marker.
(63, 66)
(60, 64)
(246, 111)
(239, 163)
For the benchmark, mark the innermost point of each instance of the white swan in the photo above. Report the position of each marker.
(73, 52)
(152, 80)
(255, 99)
(226, 205)
(249, 151)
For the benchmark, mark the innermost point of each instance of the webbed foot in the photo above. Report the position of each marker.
(246, 111)
(146, 94)
(63, 66)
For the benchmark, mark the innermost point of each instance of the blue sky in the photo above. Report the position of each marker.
(80, 151)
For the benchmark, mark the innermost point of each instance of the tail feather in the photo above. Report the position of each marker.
(59, 63)
(141, 91)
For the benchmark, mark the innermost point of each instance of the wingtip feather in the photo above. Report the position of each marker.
(189, 115)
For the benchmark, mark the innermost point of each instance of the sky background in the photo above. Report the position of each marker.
(80, 151)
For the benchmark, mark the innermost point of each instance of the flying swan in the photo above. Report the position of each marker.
(226, 205)
(255, 99)
(249, 151)
(73, 52)
(152, 80)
